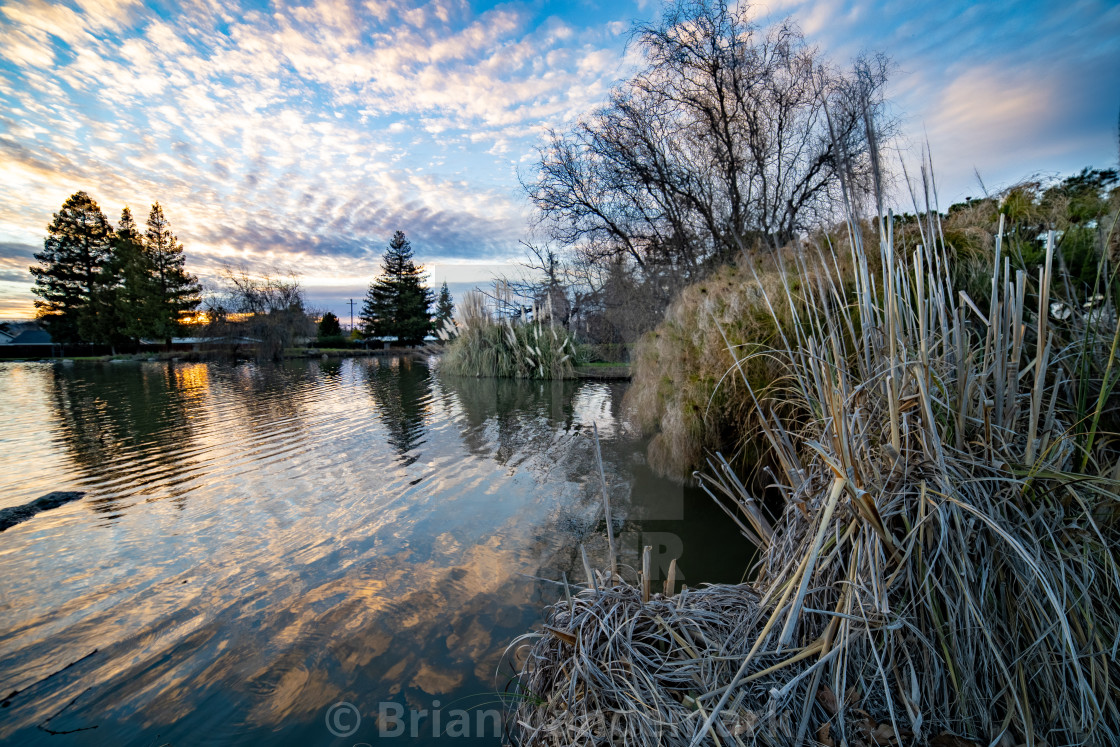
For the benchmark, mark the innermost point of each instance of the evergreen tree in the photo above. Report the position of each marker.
(70, 279)
(398, 304)
(175, 290)
(329, 326)
(136, 296)
(444, 307)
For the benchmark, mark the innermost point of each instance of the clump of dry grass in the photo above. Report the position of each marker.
(677, 367)
(685, 392)
(615, 670)
(946, 557)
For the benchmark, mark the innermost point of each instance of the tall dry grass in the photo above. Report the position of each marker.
(945, 560)
(685, 392)
(947, 545)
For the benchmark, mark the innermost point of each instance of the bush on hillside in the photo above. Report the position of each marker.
(687, 391)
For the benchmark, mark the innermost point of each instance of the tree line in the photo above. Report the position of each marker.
(97, 284)
(272, 311)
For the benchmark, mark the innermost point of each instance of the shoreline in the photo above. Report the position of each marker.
(593, 372)
(193, 356)
(620, 372)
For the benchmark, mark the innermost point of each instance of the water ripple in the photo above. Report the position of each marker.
(258, 542)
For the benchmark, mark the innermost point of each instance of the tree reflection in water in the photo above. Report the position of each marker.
(302, 564)
(501, 418)
(111, 413)
(402, 393)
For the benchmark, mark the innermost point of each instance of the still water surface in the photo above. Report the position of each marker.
(259, 542)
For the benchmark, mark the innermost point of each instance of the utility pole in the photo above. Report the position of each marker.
(351, 315)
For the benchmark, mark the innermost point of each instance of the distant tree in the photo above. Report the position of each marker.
(398, 304)
(444, 306)
(71, 277)
(727, 137)
(1082, 197)
(133, 272)
(268, 309)
(329, 326)
(177, 291)
(117, 305)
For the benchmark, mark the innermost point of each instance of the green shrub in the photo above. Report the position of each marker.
(333, 341)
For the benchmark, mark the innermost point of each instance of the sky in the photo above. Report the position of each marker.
(297, 137)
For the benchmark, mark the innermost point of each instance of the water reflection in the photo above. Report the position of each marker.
(357, 530)
(275, 397)
(401, 390)
(112, 415)
(511, 419)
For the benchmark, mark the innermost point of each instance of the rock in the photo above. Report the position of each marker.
(9, 517)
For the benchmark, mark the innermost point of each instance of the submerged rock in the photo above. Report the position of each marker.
(9, 517)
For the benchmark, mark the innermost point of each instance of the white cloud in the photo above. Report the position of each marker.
(311, 132)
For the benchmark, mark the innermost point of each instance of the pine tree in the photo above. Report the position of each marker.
(398, 303)
(136, 296)
(70, 279)
(176, 290)
(112, 305)
(329, 326)
(444, 307)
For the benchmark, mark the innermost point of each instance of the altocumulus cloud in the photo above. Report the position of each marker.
(1010, 88)
(300, 135)
(291, 136)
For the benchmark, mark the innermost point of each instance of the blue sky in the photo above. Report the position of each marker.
(300, 136)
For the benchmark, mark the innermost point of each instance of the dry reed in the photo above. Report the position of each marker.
(685, 393)
(945, 562)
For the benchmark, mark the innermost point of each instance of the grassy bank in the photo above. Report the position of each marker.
(684, 394)
(603, 371)
(942, 568)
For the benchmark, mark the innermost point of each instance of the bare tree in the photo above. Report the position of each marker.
(728, 138)
(548, 285)
(270, 309)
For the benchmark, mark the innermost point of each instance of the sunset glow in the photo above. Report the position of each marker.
(300, 137)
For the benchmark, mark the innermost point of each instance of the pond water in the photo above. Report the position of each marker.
(260, 543)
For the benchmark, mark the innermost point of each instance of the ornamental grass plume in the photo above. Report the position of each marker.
(482, 346)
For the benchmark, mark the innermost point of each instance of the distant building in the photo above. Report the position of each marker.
(26, 340)
(379, 342)
(388, 341)
(24, 335)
